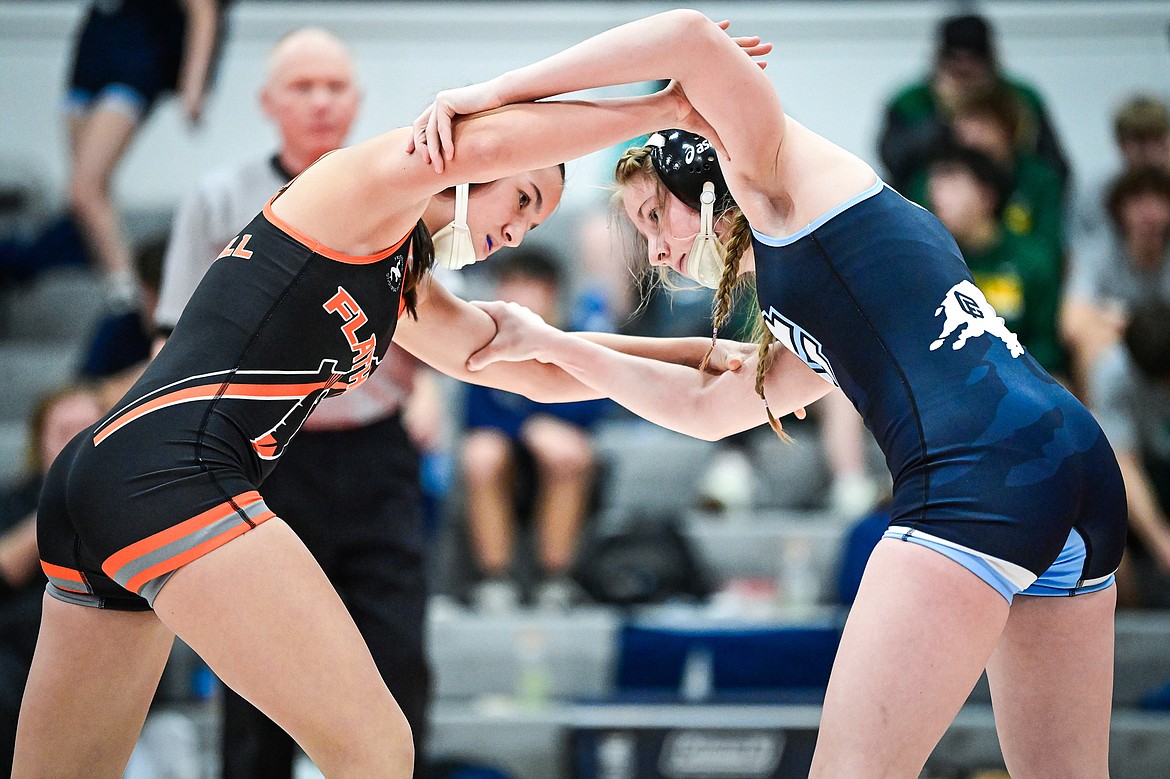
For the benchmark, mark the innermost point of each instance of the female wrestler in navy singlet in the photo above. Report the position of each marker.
(1005, 490)
(151, 524)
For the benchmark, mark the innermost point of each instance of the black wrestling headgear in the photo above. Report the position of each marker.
(684, 161)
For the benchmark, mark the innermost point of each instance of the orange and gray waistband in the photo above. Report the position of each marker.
(144, 566)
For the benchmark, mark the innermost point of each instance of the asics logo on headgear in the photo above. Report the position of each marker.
(690, 152)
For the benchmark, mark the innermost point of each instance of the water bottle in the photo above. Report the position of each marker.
(800, 576)
(617, 757)
(698, 675)
(534, 680)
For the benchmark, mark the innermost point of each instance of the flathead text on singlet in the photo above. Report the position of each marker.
(353, 318)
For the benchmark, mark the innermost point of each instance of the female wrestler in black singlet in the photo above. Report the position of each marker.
(152, 525)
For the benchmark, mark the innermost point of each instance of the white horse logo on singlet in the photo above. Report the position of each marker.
(968, 313)
(394, 276)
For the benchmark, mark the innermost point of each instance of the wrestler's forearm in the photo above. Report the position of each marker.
(688, 351)
(672, 395)
(643, 50)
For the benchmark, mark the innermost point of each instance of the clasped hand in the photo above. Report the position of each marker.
(521, 335)
(431, 133)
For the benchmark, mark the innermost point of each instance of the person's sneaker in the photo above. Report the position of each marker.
(168, 746)
(559, 593)
(496, 596)
(728, 482)
(853, 496)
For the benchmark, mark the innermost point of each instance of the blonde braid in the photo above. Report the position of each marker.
(738, 240)
(634, 162)
(763, 363)
(764, 338)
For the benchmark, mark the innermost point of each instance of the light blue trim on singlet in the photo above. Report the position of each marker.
(768, 240)
(986, 567)
(1063, 577)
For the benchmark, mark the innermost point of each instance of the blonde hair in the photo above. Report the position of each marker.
(634, 163)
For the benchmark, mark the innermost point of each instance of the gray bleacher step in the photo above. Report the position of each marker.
(525, 743)
(13, 450)
(31, 369)
(533, 743)
(1142, 657)
(1139, 745)
(653, 470)
(60, 306)
(799, 550)
(476, 655)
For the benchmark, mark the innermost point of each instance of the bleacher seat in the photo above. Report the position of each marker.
(650, 470)
(744, 661)
(30, 370)
(13, 451)
(476, 655)
(60, 306)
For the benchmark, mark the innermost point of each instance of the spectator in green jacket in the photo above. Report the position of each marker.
(992, 122)
(919, 116)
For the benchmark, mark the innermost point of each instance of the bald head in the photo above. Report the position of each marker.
(306, 45)
(310, 94)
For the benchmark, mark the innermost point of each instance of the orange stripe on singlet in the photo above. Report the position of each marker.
(160, 539)
(232, 390)
(318, 248)
(136, 582)
(61, 572)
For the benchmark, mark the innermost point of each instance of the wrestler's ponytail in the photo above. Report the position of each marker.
(422, 257)
(765, 339)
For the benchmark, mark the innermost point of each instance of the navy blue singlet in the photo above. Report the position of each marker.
(994, 463)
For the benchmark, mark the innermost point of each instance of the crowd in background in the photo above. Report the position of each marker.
(1079, 270)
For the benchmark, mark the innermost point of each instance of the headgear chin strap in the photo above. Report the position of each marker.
(705, 260)
(454, 248)
(689, 169)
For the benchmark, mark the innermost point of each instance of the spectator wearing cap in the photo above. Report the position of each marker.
(1019, 274)
(919, 116)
